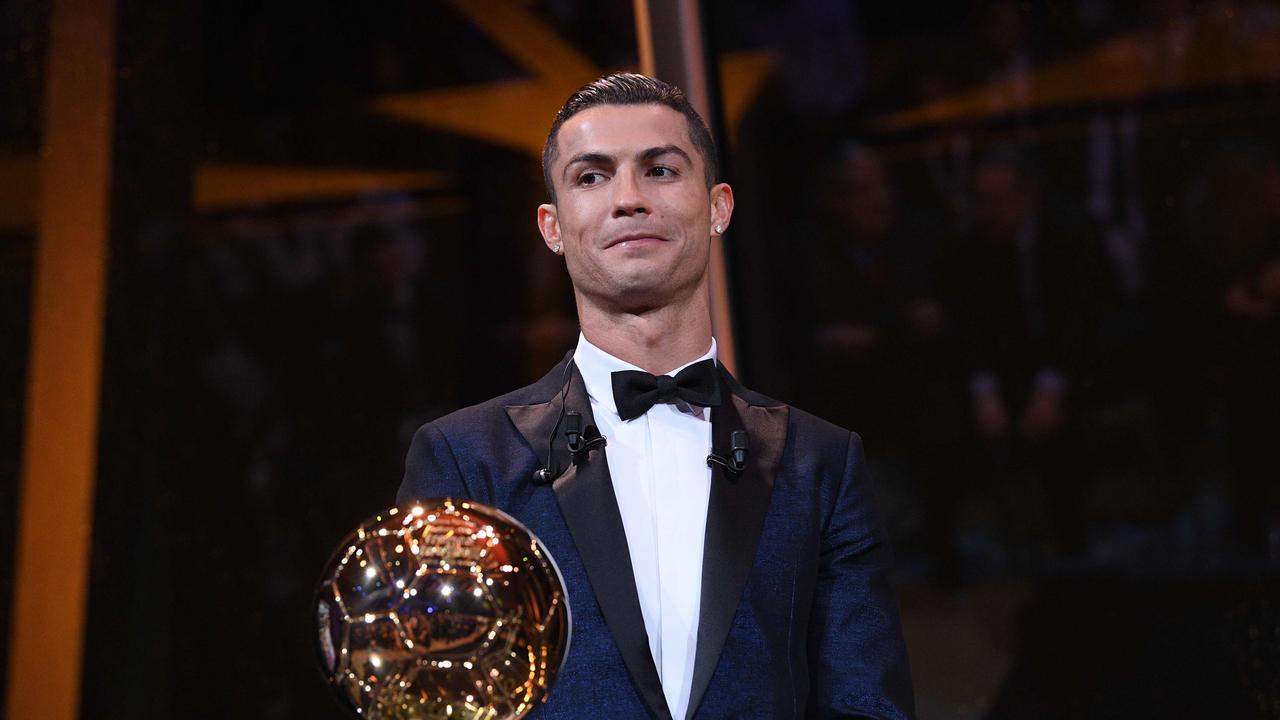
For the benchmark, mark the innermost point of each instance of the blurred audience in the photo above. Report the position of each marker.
(1022, 284)
(1234, 246)
(872, 284)
(1062, 314)
(882, 340)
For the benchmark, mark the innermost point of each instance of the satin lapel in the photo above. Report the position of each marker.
(590, 509)
(735, 517)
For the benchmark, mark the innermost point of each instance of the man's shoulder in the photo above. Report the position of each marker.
(814, 424)
(494, 409)
(484, 413)
(802, 426)
(476, 421)
(813, 437)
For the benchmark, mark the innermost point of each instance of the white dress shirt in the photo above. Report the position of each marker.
(658, 463)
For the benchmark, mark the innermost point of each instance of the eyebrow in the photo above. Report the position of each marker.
(657, 152)
(590, 158)
(647, 155)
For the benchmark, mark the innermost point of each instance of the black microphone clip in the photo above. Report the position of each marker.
(573, 431)
(580, 442)
(736, 462)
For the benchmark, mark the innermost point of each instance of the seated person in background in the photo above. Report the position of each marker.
(874, 299)
(1021, 284)
(883, 345)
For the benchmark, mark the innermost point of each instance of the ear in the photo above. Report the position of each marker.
(549, 225)
(721, 208)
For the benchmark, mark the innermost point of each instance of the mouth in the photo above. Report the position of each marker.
(634, 240)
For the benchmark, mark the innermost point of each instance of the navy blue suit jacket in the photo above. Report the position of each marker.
(797, 619)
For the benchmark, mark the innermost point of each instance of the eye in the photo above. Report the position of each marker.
(662, 171)
(591, 178)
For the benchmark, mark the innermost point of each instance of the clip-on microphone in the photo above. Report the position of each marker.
(737, 460)
(579, 443)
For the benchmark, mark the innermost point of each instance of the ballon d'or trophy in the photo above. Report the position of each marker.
(442, 609)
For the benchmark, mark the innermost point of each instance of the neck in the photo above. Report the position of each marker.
(658, 340)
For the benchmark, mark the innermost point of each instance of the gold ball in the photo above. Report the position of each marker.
(442, 609)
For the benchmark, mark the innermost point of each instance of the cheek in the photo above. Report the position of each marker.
(577, 224)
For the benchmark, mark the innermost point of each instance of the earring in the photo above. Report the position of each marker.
(556, 249)
(718, 231)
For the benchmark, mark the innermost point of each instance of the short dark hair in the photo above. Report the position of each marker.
(630, 89)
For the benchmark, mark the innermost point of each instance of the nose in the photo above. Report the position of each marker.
(629, 198)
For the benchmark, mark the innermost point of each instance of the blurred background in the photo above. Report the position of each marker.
(1029, 250)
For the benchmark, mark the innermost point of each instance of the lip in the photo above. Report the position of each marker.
(634, 237)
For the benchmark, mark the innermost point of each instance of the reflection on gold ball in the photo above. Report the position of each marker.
(442, 609)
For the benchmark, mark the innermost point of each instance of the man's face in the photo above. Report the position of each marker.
(633, 213)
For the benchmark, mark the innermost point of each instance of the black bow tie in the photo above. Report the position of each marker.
(635, 391)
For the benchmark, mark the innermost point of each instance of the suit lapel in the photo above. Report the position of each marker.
(735, 517)
(590, 509)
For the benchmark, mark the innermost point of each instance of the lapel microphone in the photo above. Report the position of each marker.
(579, 443)
(737, 460)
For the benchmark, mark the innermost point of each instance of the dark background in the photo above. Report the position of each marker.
(267, 359)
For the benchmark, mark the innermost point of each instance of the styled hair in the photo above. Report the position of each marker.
(630, 89)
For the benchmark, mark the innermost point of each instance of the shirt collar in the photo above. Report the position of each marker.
(596, 366)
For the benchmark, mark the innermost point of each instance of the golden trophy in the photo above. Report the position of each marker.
(442, 609)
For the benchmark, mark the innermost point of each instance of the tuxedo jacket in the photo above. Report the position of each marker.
(797, 619)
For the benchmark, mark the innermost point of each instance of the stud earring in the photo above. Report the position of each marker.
(718, 231)
(556, 249)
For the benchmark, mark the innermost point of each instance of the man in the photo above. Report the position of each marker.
(883, 344)
(751, 584)
(1024, 285)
